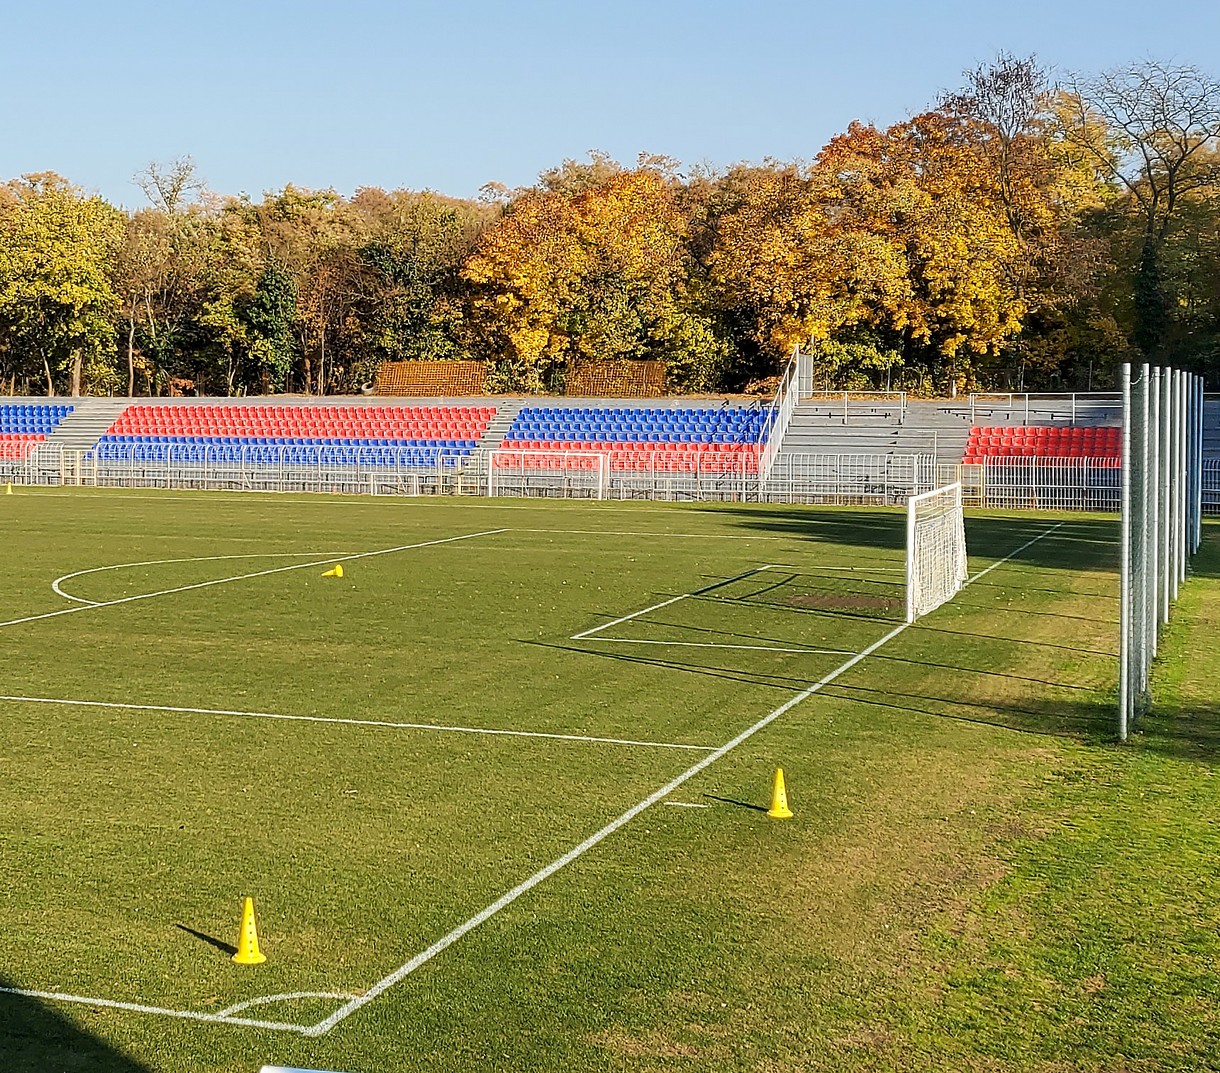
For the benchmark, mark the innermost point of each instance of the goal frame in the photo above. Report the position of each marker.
(912, 580)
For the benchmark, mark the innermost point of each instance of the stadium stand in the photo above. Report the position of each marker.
(25, 425)
(430, 379)
(1042, 441)
(333, 435)
(654, 438)
(616, 379)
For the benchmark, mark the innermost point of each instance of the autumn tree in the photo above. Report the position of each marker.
(599, 274)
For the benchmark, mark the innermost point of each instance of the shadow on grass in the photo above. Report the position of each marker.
(1085, 542)
(1189, 732)
(36, 1038)
(738, 804)
(211, 940)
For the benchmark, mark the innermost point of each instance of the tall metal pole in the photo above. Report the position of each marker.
(1162, 552)
(1144, 626)
(1124, 570)
(1184, 471)
(1158, 515)
(1198, 535)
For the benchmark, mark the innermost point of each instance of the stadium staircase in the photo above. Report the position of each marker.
(84, 426)
(819, 427)
(506, 414)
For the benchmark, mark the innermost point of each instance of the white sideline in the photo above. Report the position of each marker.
(506, 899)
(404, 970)
(439, 728)
(244, 577)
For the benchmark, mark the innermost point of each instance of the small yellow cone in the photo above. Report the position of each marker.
(248, 952)
(779, 809)
(8, 489)
(334, 571)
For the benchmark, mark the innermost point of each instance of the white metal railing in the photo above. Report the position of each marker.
(890, 405)
(1038, 483)
(1095, 405)
(779, 413)
(872, 477)
(1210, 486)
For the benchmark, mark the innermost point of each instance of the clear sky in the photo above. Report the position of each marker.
(449, 96)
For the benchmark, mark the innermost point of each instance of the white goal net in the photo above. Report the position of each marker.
(936, 549)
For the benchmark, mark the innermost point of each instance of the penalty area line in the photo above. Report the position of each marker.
(506, 899)
(665, 603)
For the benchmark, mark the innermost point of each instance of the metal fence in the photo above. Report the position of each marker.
(872, 478)
(857, 478)
(1038, 483)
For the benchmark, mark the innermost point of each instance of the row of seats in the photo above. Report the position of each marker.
(646, 447)
(633, 461)
(32, 418)
(280, 454)
(741, 423)
(296, 435)
(294, 441)
(641, 439)
(329, 421)
(1042, 441)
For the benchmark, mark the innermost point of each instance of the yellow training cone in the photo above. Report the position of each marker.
(779, 809)
(334, 571)
(248, 952)
(8, 489)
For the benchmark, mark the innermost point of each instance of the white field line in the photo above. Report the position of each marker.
(245, 577)
(437, 728)
(716, 644)
(654, 534)
(404, 970)
(290, 996)
(137, 1007)
(506, 899)
(55, 585)
(664, 603)
(685, 804)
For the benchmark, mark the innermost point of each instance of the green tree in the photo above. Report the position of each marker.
(57, 305)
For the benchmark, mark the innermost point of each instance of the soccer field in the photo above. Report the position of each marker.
(499, 791)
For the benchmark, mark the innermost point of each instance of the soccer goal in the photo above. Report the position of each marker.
(936, 549)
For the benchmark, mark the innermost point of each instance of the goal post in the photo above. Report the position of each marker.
(936, 549)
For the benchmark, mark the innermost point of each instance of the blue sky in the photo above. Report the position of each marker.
(451, 96)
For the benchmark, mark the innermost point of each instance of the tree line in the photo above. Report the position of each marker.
(1021, 234)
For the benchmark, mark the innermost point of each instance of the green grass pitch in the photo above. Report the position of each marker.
(976, 876)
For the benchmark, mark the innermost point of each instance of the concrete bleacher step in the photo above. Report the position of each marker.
(87, 422)
(506, 413)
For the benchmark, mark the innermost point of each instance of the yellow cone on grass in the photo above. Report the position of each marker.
(334, 571)
(248, 952)
(8, 489)
(779, 809)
